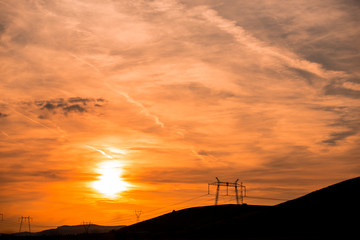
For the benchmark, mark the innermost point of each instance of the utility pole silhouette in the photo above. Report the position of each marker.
(24, 220)
(86, 226)
(235, 185)
(137, 214)
(2, 217)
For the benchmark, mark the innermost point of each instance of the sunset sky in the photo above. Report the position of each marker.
(111, 106)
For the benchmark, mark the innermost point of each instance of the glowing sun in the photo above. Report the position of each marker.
(110, 183)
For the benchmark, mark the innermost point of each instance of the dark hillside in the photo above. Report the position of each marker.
(187, 222)
(78, 229)
(328, 213)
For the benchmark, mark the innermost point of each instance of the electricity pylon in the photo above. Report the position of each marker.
(86, 226)
(25, 220)
(137, 214)
(236, 185)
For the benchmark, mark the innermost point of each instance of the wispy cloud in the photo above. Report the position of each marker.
(3, 115)
(143, 109)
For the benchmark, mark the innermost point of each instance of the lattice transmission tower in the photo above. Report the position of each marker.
(86, 226)
(138, 214)
(238, 188)
(24, 220)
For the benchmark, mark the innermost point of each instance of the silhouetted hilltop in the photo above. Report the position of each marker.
(342, 193)
(331, 211)
(183, 221)
(66, 231)
(328, 213)
(79, 229)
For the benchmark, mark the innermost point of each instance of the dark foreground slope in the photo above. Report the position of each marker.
(329, 213)
(188, 222)
(333, 211)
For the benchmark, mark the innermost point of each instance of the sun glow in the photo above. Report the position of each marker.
(110, 183)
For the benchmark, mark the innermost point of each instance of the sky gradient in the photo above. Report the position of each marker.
(172, 94)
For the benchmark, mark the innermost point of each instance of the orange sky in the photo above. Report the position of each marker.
(170, 94)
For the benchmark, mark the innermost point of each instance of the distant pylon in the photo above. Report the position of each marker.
(137, 214)
(25, 220)
(236, 185)
(86, 226)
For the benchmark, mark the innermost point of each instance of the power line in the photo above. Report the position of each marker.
(268, 198)
(264, 198)
(160, 210)
(178, 203)
(25, 221)
(166, 208)
(48, 226)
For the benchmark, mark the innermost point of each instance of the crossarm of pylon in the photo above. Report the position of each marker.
(224, 184)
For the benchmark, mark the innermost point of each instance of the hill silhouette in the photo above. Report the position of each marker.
(68, 232)
(328, 213)
(332, 211)
(188, 222)
(78, 229)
